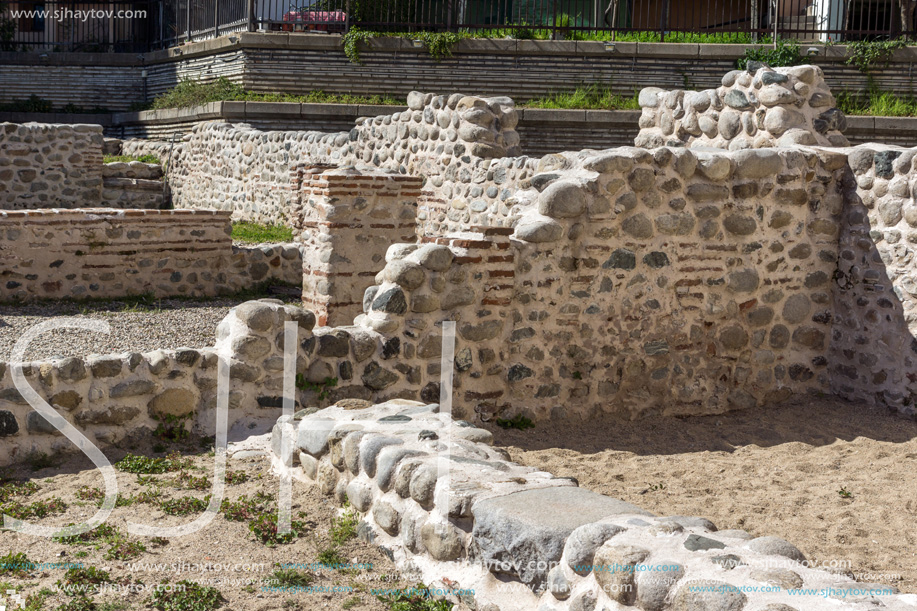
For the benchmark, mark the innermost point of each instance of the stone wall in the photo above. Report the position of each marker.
(133, 185)
(498, 536)
(117, 398)
(463, 145)
(50, 166)
(873, 348)
(346, 220)
(60, 166)
(754, 108)
(86, 253)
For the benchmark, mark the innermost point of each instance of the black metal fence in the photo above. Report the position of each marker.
(141, 25)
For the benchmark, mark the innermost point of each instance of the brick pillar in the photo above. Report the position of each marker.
(346, 220)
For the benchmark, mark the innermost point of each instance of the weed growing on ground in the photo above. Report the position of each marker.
(323, 388)
(330, 556)
(344, 528)
(245, 508)
(87, 493)
(189, 596)
(82, 580)
(351, 602)
(417, 598)
(236, 477)
(172, 427)
(844, 493)
(290, 578)
(11, 488)
(80, 603)
(518, 421)
(186, 481)
(184, 505)
(16, 565)
(122, 549)
(266, 530)
(38, 509)
(100, 532)
(147, 465)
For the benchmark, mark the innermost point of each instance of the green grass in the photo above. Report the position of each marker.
(128, 159)
(256, 233)
(195, 93)
(15, 564)
(417, 598)
(591, 98)
(877, 103)
(344, 528)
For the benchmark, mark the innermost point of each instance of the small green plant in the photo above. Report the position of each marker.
(17, 564)
(786, 53)
(256, 233)
(85, 493)
(159, 541)
(290, 578)
(81, 581)
(188, 596)
(656, 487)
(11, 488)
(265, 529)
(577, 375)
(184, 505)
(36, 600)
(438, 44)
(330, 556)
(100, 532)
(867, 54)
(417, 598)
(81, 554)
(236, 477)
(351, 602)
(245, 508)
(844, 493)
(38, 509)
(323, 388)
(122, 549)
(344, 528)
(172, 427)
(518, 421)
(80, 603)
(187, 481)
(146, 465)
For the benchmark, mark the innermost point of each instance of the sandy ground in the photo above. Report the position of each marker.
(223, 545)
(771, 472)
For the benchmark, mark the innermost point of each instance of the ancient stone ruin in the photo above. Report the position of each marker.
(740, 255)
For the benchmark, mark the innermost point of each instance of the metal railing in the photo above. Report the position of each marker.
(141, 25)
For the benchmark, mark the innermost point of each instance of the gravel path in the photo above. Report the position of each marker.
(168, 323)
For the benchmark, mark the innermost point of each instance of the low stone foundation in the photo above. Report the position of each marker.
(503, 537)
(87, 253)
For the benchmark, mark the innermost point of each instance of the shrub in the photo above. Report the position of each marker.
(786, 53)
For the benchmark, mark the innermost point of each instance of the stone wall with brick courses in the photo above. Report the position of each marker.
(345, 221)
(85, 253)
(754, 108)
(873, 349)
(50, 166)
(675, 281)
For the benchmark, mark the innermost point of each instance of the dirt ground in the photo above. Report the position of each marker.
(784, 471)
(224, 545)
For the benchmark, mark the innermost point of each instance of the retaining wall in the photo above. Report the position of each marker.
(85, 253)
(523, 69)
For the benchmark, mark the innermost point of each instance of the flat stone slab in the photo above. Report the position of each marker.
(524, 532)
